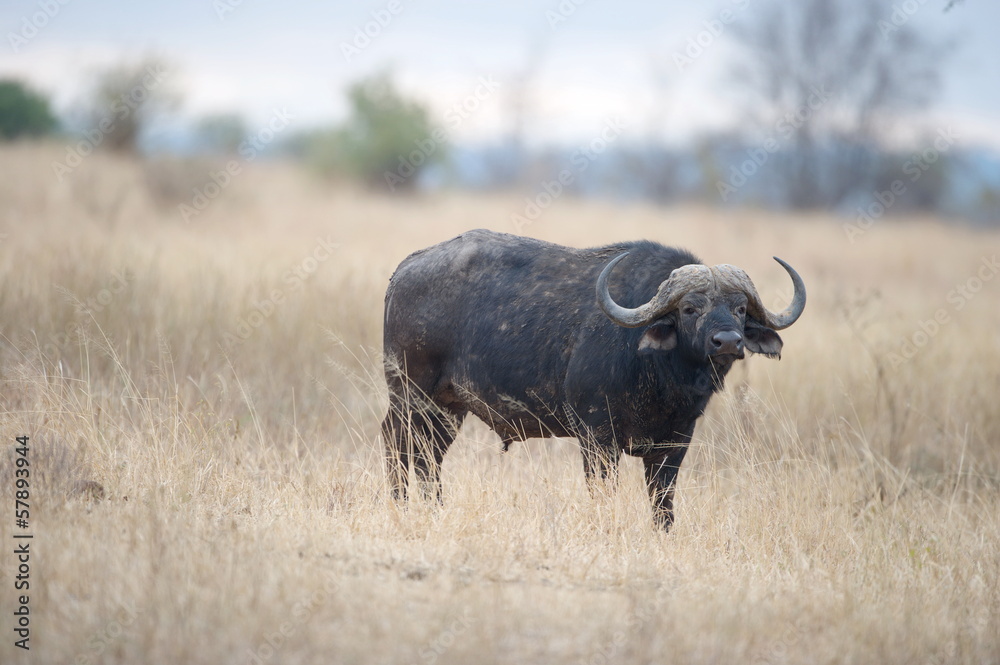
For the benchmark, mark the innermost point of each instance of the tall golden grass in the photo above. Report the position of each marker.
(207, 483)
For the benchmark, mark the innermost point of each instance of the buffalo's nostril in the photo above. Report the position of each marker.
(728, 341)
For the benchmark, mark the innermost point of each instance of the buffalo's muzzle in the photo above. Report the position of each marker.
(726, 343)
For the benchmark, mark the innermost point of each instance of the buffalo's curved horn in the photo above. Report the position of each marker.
(700, 277)
(783, 319)
(666, 298)
(794, 310)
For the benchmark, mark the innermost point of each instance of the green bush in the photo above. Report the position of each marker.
(375, 143)
(23, 112)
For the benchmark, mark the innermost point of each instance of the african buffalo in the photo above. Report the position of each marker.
(619, 346)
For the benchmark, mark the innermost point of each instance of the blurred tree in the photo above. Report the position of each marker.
(988, 205)
(386, 141)
(510, 166)
(925, 185)
(23, 112)
(826, 79)
(126, 99)
(222, 133)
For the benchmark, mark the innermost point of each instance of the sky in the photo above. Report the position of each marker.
(591, 61)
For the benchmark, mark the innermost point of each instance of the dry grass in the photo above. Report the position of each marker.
(834, 508)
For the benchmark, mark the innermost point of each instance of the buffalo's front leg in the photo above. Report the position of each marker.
(661, 476)
(600, 461)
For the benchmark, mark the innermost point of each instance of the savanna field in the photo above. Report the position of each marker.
(203, 400)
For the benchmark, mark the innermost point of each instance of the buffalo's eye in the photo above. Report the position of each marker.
(741, 310)
(688, 310)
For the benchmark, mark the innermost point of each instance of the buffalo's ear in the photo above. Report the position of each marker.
(761, 339)
(658, 337)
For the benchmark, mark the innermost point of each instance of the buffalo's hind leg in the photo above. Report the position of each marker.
(395, 435)
(418, 430)
(438, 431)
(399, 426)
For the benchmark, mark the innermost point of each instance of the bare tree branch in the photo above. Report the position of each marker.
(870, 68)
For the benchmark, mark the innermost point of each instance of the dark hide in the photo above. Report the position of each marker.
(508, 328)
